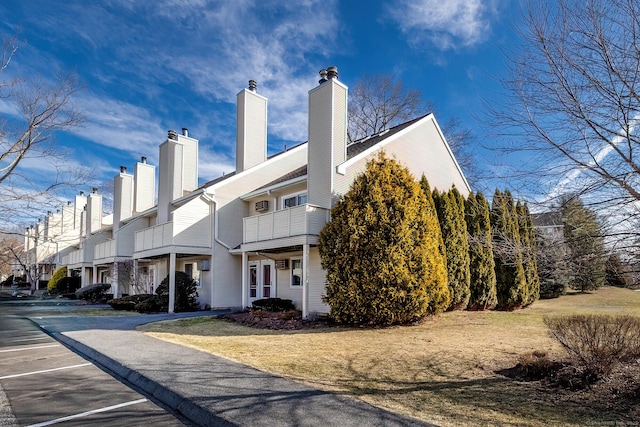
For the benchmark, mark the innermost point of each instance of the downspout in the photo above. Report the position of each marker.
(207, 197)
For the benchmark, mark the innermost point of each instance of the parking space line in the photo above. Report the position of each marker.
(84, 414)
(30, 348)
(44, 371)
(32, 339)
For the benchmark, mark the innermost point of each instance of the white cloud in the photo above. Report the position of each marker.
(444, 24)
(119, 125)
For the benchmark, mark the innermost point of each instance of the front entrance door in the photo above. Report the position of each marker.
(262, 279)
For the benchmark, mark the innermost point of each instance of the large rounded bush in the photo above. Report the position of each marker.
(186, 293)
(57, 276)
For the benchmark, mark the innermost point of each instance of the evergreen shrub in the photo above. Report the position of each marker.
(380, 250)
(57, 276)
(273, 304)
(94, 293)
(186, 298)
(128, 303)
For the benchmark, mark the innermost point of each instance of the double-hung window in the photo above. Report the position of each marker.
(294, 200)
(296, 272)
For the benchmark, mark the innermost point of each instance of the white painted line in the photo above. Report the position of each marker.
(84, 414)
(30, 348)
(32, 339)
(44, 372)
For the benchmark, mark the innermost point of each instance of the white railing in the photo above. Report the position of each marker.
(75, 257)
(105, 250)
(155, 237)
(295, 221)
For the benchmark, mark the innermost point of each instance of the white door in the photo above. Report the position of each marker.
(262, 279)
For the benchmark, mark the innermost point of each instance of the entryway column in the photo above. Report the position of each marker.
(245, 285)
(172, 282)
(305, 281)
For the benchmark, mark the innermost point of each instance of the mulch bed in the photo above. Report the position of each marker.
(284, 320)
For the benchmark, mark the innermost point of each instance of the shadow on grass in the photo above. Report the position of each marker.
(491, 400)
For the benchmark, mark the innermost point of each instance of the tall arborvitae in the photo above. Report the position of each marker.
(431, 208)
(450, 209)
(584, 238)
(380, 250)
(482, 265)
(511, 286)
(528, 242)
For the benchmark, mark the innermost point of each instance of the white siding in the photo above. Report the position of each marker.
(192, 224)
(144, 186)
(317, 283)
(122, 198)
(189, 164)
(251, 130)
(327, 139)
(422, 149)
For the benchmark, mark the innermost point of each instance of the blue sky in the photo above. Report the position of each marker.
(150, 66)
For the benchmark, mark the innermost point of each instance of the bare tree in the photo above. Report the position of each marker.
(8, 247)
(379, 102)
(575, 92)
(39, 110)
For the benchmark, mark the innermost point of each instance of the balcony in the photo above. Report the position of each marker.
(295, 221)
(105, 250)
(158, 236)
(74, 257)
(188, 235)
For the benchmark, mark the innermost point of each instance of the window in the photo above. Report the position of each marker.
(266, 278)
(294, 200)
(296, 272)
(192, 271)
(253, 281)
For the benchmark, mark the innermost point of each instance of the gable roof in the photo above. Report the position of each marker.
(547, 219)
(367, 142)
(353, 150)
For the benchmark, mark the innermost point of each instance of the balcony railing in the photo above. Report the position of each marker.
(295, 221)
(105, 250)
(155, 237)
(74, 257)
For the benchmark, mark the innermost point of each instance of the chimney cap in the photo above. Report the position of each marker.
(185, 132)
(172, 134)
(94, 190)
(82, 193)
(143, 159)
(123, 169)
(253, 85)
(332, 72)
(323, 76)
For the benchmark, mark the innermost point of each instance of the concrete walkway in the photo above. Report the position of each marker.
(207, 390)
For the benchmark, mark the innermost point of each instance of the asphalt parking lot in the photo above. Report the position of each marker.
(44, 383)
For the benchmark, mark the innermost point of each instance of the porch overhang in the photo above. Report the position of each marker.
(276, 245)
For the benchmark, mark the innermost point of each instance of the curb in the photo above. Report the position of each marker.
(170, 400)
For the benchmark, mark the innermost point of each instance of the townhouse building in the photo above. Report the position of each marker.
(252, 233)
